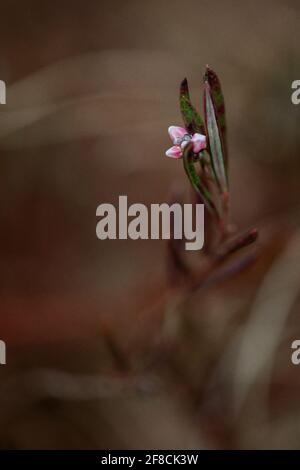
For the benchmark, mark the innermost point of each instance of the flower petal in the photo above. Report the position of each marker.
(174, 152)
(199, 142)
(176, 132)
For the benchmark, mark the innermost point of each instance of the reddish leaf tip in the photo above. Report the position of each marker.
(184, 86)
(253, 234)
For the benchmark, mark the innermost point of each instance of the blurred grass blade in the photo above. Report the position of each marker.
(239, 242)
(214, 140)
(218, 100)
(192, 120)
(197, 180)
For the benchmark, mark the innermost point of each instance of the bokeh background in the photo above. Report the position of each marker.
(101, 353)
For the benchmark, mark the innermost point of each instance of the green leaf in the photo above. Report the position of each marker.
(219, 104)
(197, 180)
(214, 141)
(192, 120)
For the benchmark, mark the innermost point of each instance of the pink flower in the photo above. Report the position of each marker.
(181, 138)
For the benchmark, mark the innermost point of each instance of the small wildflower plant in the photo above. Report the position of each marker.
(203, 142)
(202, 145)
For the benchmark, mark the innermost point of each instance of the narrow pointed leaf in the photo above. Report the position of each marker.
(192, 120)
(196, 180)
(239, 242)
(214, 140)
(218, 99)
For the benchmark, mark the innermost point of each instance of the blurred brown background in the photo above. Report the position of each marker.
(92, 89)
